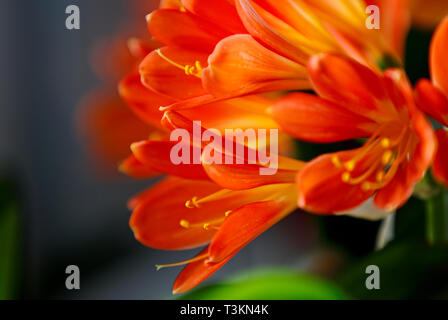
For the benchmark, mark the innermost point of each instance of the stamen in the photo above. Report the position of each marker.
(185, 224)
(345, 177)
(190, 70)
(385, 143)
(193, 203)
(201, 257)
(350, 165)
(387, 156)
(228, 213)
(337, 163)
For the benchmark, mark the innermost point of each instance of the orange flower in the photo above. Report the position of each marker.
(284, 34)
(433, 98)
(356, 102)
(227, 213)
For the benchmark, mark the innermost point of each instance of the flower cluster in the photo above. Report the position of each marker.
(310, 69)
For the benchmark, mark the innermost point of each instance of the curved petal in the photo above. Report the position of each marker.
(432, 101)
(157, 155)
(142, 101)
(221, 13)
(438, 63)
(196, 272)
(156, 218)
(396, 192)
(322, 190)
(163, 71)
(184, 29)
(440, 166)
(240, 65)
(245, 224)
(348, 83)
(109, 127)
(311, 118)
(134, 168)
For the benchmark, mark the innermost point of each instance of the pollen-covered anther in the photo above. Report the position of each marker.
(184, 224)
(385, 143)
(335, 160)
(366, 186)
(193, 203)
(195, 70)
(228, 213)
(350, 165)
(345, 177)
(380, 176)
(387, 156)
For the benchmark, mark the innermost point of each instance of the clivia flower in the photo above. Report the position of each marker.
(432, 97)
(355, 102)
(284, 34)
(223, 206)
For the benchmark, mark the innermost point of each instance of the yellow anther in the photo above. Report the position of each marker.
(380, 176)
(193, 203)
(336, 162)
(206, 226)
(350, 165)
(228, 213)
(366, 186)
(195, 70)
(385, 143)
(184, 224)
(387, 156)
(345, 176)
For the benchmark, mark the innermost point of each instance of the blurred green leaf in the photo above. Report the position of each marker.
(408, 270)
(270, 285)
(9, 242)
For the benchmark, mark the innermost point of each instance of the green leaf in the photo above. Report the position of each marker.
(9, 243)
(270, 284)
(408, 270)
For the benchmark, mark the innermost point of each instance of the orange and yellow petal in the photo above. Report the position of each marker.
(136, 169)
(157, 155)
(438, 62)
(240, 65)
(432, 101)
(246, 223)
(311, 118)
(323, 187)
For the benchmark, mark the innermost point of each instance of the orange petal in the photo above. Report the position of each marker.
(396, 192)
(425, 148)
(163, 71)
(440, 166)
(432, 101)
(395, 23)
(245, 224)
(134, 168)
(109, 127)
(321, 189)
(184, 29)
(438, 63)
(196, 272)
(348, 83)
(311, 118)
(221, 13)
(156, 154)
(240, 65)
(142, 101)
(158, 212)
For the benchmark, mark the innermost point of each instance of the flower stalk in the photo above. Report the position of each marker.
(437, 219)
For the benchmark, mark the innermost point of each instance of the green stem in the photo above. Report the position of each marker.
(437, 219)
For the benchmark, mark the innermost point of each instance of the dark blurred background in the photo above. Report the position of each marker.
(58, 209)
